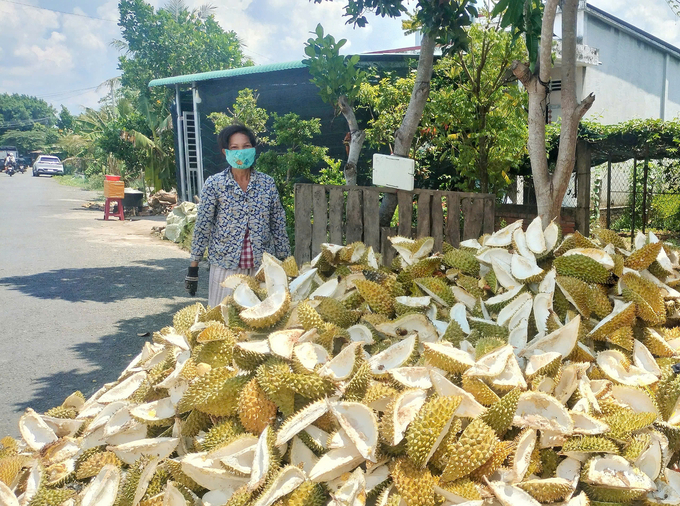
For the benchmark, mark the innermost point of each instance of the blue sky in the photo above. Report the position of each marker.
(63, 58)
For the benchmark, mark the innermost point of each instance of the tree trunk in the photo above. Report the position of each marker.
(550, 188)
(356, 141)
(403, 137)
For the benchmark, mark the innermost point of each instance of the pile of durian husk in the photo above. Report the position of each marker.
(519, 369)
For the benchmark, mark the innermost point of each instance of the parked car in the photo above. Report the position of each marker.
(47, 164)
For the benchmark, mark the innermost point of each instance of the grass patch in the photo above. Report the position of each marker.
(95, 183)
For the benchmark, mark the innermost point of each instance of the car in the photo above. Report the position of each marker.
(48, 164)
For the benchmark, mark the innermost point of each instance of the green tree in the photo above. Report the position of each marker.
(477, 114)
(339, 80)
(172, 41)
(292, 157)
(39, 138)
(442, 23)
(246, 112)
(21, 112)
(66, 119)
(523, 17)
(473, 130)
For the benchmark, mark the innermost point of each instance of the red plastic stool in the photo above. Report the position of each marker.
(107, 209)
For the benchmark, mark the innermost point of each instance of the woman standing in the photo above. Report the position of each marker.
(240, 216)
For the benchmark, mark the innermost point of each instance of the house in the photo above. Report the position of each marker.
(282, 88)
(637, 75)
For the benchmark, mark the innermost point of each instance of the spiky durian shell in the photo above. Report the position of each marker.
(51, 496)
(488, 329)
(94, 462)
(487, 345)
(638, 444)
(255, 410)
(215, 393)
(474, 447)
(311, 386)
(624, 421)
(273, 379)
(499, 415)
(357, 386)
(546, 492)
(471, 285)
(606, 236)
(500, 454)
(622, 338)
(216, 331)
(625, 318)
(333, 311)
(598, 301)
(425, 430)
(583, 268)
(590, 444)
(379, 299)
(8, 446)
(549, 462)
(62, 412)
(416, 486)
(642, 258)
(290, 267)
(462, 260)
(575, 240)
(445, 362)
(215, 353)
(424, 268)
(611, 495)
(175, 469)
(454, 333)
(308, 316)
(10, 467)
(307, 494)
(221, 434)
(195, 422)
(647, 298)
(156, 484)
(657, 343)
(439, 288)
(128, 485)
(186, 317)
(480, 391)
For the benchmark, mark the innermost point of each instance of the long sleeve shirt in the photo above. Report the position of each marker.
(226, 212)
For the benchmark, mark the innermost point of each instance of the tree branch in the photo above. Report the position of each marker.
(584, 106)
(522, 72)
(545, 49)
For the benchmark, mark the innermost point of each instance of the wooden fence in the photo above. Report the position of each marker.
(345, 214)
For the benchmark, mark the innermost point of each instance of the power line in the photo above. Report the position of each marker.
(60, 12)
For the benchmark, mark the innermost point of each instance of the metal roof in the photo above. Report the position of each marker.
(219, 74)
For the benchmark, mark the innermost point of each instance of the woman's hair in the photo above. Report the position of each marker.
(237, 128)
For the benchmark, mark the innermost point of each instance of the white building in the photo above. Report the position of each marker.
(637, 76)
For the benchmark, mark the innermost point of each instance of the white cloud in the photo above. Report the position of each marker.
(64, 58)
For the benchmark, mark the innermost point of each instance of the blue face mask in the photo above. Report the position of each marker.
(240, 158)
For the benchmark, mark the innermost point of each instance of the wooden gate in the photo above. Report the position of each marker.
(345, 214)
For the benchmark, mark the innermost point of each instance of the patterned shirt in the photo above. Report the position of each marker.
(226, 212)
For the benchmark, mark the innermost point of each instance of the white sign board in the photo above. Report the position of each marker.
(393, 171)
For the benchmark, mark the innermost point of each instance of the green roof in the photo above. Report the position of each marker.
(219, 74)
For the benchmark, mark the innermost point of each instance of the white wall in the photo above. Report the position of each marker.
(673, 103)
(629, 82)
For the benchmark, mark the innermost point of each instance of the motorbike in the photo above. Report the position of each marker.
(10, 169)
(22, 168)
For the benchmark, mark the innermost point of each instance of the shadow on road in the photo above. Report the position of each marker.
(108, 357)
(141, 280)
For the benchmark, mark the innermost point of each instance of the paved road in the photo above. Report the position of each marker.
(76, 293)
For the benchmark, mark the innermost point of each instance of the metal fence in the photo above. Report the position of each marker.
(637, 195)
